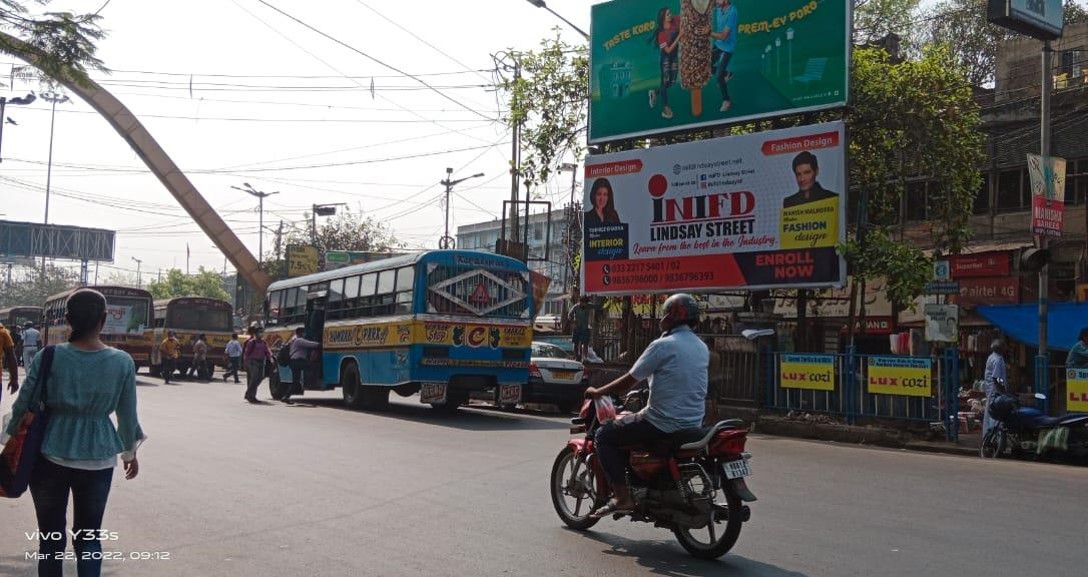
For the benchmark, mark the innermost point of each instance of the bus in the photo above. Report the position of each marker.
(128, 316)
(442, 323)
(19, 316)
(189, 317)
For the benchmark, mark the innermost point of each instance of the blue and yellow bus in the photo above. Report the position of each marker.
(440, 323)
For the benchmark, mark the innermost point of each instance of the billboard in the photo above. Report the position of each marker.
(1041, 19)
(754, 211)
(660, 66)
(32, 239)
(301, 260)
(335, 259)
(1047, 177)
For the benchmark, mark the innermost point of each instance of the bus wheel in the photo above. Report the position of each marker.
(352, 387)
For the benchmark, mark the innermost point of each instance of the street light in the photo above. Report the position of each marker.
(778, 56)
(4, 101)
(321, 210)
(789, 38)
(447, 241)
(139, 279)
(54, 98)
(260, 207)
(542, 4)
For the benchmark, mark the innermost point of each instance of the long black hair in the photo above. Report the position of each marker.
(86, 313)
(660, 25)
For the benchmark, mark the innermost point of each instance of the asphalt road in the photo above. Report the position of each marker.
(228, 488)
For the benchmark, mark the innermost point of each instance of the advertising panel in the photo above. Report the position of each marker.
(815, 372)
(754, 211)
(982, 264)
(1047, 194)
(910, 376)
(661, 66)
(301, 260)
(989, 291)
(1077, 385)
(942, 323)
(125, 319)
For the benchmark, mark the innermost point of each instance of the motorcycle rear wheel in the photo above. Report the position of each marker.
(719, 543)
(565, 480)
(993, 444)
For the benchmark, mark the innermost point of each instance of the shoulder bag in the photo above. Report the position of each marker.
(22, 449)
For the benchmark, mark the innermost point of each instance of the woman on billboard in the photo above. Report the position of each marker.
(604, 207)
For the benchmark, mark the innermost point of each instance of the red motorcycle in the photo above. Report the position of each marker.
(692, 484)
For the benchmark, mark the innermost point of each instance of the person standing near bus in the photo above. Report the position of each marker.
(300, 361)
(7, 356)
(32, 343)
(199, 366)
(234, 357)
(579, 317)
(256, 355)
(170, 350)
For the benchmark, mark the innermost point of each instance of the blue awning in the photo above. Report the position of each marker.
(1021, 322)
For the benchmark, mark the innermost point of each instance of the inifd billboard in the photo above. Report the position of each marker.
(754, 211)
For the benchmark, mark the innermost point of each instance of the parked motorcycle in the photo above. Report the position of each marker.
(693, 484)
(1026, 431)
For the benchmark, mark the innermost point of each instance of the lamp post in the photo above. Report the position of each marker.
(447, 241)
(789, 52)
(778, 56)
(139, 278)
(544, 5)
(321, 210)
(766, 56)
(54, 98)
(260, 208)
(4, 101)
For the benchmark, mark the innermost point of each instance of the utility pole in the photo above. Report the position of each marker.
(4, 101)
(260, 208)
(1043, 359)
(139, 278)
(54, 98)
(279, 237)
(447, 241)
(515, 165)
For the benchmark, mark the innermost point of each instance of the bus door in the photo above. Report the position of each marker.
(315, 331)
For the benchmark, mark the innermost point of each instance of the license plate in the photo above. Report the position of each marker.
(432, 393)
(509, 394)
(563, 375)
(737, 469)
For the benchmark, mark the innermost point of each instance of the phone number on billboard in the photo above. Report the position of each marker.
(635, 267)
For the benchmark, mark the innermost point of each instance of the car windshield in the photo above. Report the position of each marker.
(549, 352)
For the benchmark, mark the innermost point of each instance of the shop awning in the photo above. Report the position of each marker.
(1021, 322)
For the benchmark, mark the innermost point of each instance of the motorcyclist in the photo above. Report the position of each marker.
(676, 366)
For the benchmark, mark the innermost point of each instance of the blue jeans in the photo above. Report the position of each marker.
(50, 485)
(235, 366)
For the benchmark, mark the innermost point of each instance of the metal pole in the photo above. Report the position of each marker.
(3, 104)
(260, 230)
(49, 166)
(449, 188)
(313, 225)
(1042, 372)
(515, 167)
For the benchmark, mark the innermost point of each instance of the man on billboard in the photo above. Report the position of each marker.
(806, 169)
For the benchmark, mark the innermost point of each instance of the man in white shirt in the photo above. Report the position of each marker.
(234, 357)
(993, 380)
(32, 343)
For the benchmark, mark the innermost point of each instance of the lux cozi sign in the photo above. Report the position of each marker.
(907, 376)
(815, 372)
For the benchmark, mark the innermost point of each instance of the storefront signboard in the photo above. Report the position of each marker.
(909, 376)
(815, 372)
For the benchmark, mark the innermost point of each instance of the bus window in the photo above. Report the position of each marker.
(294, 305)
(275, 307)
(335, 305)
(405, 282)
(367, 285)
(383, 304)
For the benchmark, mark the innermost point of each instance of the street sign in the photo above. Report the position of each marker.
(942, 271)
(942, 288)
(1041, 19)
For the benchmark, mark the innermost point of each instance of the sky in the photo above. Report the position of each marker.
(236, 92)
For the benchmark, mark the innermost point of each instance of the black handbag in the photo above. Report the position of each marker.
(21, 451)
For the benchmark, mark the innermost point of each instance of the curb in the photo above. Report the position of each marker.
(847, 435)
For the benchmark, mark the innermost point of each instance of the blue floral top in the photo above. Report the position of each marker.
(83, 389)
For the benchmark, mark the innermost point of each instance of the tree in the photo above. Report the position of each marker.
(913, 119)
(65, 40)
(29, 287)
(875, 19)
(205, 283)
(974, 42)
(548, 101)
(345, 231)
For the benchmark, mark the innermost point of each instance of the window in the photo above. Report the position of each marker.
(405, 281)
(1076, 181)
(982, 198)
(916, 201)
(336, 299)
(1008, 190)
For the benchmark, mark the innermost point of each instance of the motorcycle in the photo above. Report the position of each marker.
(1024, 431)
(693, 484)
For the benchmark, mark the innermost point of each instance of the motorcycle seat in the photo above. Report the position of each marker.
(720, 426)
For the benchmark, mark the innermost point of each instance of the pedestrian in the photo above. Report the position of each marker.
(1078, 354)
(993, 381)
(300, 349)
(579, 316)
(199, 366)
(256, 354)
(234, 357)
(32, 343)
(87, 383)
(8, 360)
(169, 351)
(17, 338)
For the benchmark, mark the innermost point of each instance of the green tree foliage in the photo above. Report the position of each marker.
(548, 98)
(974, 42)
(875, 19)
(916, 119)
(345, 231)
(65, 40)
(205, 283)
(29, 287)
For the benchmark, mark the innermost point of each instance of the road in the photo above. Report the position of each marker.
(228, 488)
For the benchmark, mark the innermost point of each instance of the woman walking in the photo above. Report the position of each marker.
(256, 355)
(87, 382)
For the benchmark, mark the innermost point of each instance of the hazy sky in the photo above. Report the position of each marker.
(236, 92)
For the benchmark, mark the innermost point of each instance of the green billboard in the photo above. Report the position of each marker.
(659, 66)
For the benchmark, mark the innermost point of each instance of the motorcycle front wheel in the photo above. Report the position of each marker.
(714, 540)
(993, 444)
(573, 480)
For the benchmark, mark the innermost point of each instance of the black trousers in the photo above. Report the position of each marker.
(632, 429)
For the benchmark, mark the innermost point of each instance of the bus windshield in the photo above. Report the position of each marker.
(198, 317)
(472, 290)
(125, 315)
